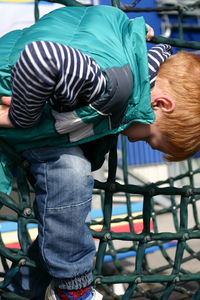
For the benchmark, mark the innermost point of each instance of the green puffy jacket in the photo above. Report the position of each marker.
(118, 45)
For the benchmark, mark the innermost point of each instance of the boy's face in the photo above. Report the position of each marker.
(150, 133)
(162, 105)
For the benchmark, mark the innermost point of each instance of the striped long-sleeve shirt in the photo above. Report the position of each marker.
(64, 77)
(52, 72)
(156, 56)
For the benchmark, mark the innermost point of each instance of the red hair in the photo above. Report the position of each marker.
(179, 77)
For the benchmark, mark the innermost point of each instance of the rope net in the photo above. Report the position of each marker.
(149, 263)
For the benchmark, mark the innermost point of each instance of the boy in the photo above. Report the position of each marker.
(175, 101)
(63, 182)
(167, 101)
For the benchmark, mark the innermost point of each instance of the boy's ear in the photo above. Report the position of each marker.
(165, 104)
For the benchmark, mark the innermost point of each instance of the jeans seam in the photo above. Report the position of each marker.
(44, 217)
(68, 206)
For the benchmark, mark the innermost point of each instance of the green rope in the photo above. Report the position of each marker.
(172, 274)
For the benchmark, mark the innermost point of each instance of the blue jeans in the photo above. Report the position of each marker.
(63, 190)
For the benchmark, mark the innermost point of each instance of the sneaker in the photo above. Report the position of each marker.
(96, 295)
(51, 295)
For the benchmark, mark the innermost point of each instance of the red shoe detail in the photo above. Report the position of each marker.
(72, 295)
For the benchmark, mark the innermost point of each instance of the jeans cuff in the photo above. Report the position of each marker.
(76, 283)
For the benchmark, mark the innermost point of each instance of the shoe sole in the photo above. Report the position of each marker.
(50, 295)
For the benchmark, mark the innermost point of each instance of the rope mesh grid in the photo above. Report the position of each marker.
(129, 253)
(172, 272)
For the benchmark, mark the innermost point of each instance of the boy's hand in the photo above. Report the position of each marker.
(6, 100)
(150, 33)
(4, 109)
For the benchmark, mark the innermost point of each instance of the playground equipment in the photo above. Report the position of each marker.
(128, 254)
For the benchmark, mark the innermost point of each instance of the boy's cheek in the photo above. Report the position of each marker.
(132, 140)
(127, 131)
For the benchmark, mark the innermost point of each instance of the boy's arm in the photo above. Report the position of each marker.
(156, 56)
(32, 83)
(55, 73)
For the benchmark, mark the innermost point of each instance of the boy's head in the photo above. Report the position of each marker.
(176, 102)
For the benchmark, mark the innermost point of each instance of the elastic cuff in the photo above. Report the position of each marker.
(74, 283)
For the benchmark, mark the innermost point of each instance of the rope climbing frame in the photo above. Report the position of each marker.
(131, 261)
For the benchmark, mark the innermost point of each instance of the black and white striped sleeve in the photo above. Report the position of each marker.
(156, 56)
(52, 72)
